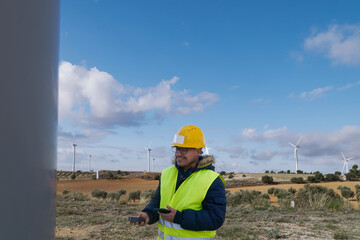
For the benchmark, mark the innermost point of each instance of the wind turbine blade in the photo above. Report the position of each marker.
(343, 156)
(292, 145)
(299, 141)
(350, 158)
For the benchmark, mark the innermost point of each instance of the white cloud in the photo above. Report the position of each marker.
(340, 43)
(263, 155)
(349, 85)
(187, 104)
(252, 134)
(235, 151)
(94, 98)
(273, 133)
(313, 94)
(319, 144)
(316, 93)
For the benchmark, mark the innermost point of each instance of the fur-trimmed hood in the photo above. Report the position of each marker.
(205, 161)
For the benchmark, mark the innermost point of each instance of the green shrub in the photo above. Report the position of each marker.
(253, 198)
(351, 176)
(292, 191)
(331, 178)
(312, 179)
(267, 179)
(281, 193)
(319, 176)
(65, 192)
(271, 190)
(297, 180)
(346, 192)
(135, 195)
(231, 175)
(148, 194)
(73, 176)
(222, 173)
(116, 195)
(318, 197)
(99, 193)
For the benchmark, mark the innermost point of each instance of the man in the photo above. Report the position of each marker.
(192, 191)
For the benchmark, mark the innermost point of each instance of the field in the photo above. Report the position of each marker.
(79, 216)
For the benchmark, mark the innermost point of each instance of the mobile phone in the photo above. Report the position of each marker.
(136, 219)
(162, 210)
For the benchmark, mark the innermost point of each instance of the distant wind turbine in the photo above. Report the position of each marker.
(207, 150)
(346, 164)
(74, 146)
(296, 147)
(149, 150)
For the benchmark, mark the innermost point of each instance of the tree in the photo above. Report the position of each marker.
(331, 177)
(319, 176)
(354, 170)
(297, 180)
(135, 195)
(267, 179)
(311, 179)
(351, 176)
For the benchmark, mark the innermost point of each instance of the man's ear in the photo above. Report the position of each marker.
(199, 151)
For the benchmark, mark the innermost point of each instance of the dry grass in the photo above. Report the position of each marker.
(81, 217)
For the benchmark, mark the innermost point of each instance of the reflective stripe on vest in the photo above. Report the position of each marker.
(189, 195)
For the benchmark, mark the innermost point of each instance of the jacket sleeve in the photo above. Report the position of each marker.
(212, 216)
(154, 203)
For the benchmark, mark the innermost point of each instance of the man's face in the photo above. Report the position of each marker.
(187, 157)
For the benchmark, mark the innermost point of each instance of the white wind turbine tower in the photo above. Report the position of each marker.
(149, 150)
(346, 164)
(296, 147)
(74, 146)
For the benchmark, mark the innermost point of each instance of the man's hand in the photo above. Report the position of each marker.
(142, 215)
(169, 216)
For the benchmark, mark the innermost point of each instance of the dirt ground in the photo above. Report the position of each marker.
(108, 185)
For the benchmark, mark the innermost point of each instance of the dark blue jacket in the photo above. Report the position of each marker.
(211, 217)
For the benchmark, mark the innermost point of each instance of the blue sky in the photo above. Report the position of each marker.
(253, 75)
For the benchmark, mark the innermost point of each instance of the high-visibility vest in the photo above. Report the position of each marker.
(189, 195)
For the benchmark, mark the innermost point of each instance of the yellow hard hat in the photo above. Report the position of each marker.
(189, 136)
